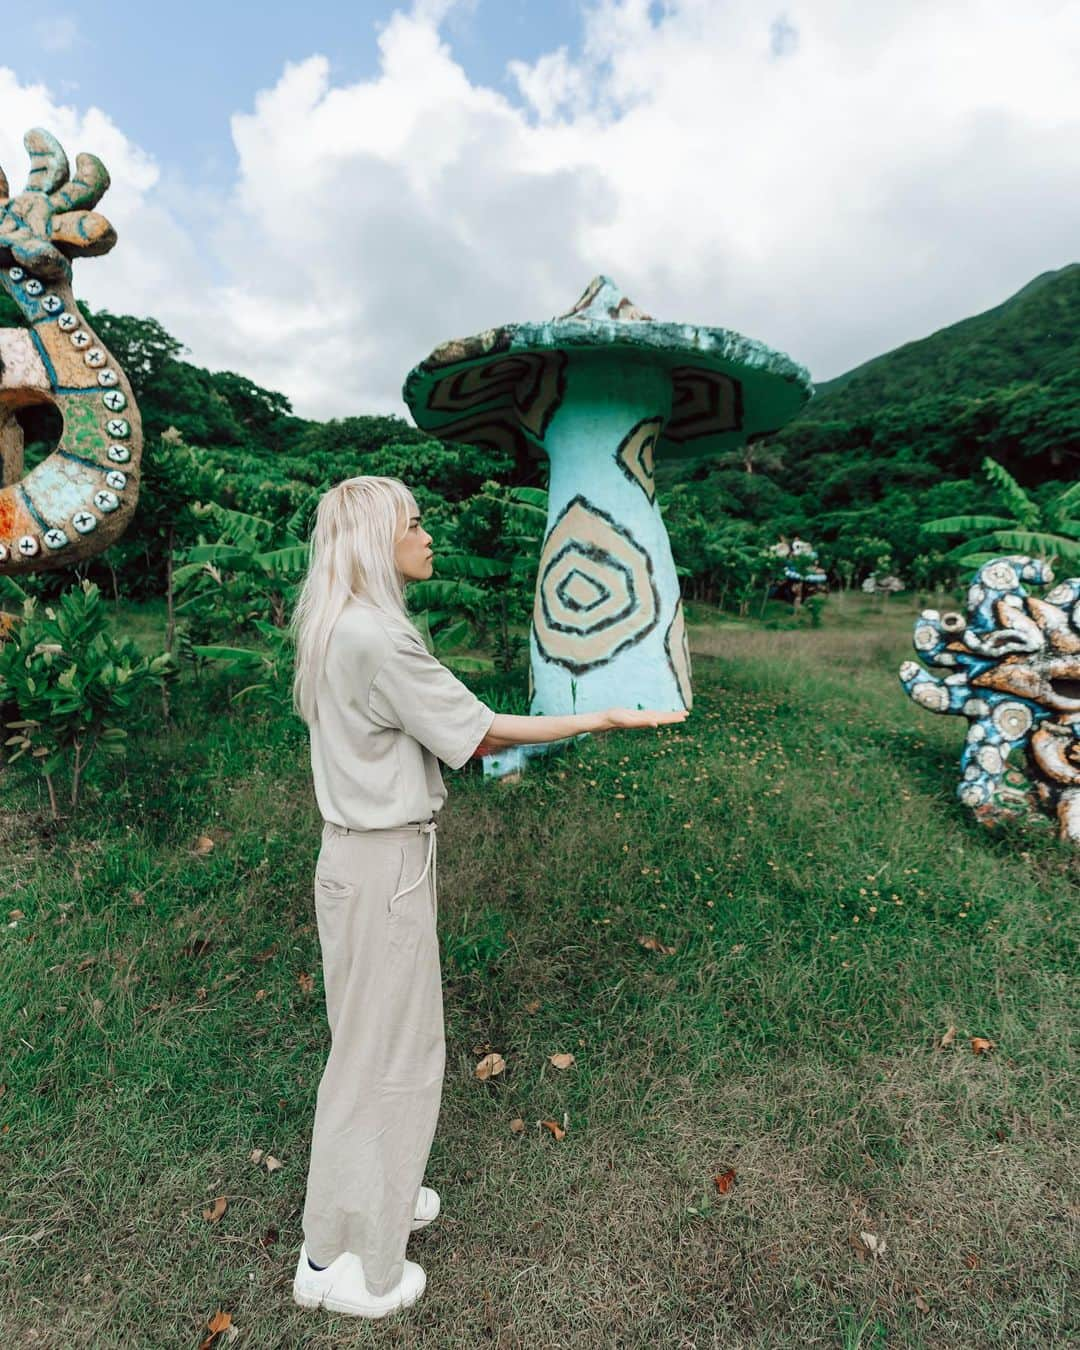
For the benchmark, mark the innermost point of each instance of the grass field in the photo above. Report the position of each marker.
(832, 913)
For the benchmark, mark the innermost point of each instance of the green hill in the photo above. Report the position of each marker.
(1034, 336)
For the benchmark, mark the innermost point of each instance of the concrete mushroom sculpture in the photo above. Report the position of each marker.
(80, 498)
(603, 390)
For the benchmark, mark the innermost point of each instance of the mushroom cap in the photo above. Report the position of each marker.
(503, 386)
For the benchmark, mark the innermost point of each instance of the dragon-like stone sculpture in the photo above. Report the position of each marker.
(1012, 667)
(80, 498)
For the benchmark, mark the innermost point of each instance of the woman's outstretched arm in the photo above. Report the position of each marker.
(508, 729)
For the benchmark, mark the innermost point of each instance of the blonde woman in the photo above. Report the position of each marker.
(381, 712)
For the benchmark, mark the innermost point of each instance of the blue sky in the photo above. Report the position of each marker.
(316, 195)
(172, 75)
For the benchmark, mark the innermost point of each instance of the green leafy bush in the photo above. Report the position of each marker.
(74, 687)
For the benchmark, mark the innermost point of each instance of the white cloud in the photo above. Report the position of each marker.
(831, 177)
(57, 33)
(156, 267)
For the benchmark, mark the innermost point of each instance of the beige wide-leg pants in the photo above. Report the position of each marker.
(376, 902)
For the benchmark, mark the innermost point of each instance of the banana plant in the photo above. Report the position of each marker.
(1044, 532)
(251, 572)
(457, 607)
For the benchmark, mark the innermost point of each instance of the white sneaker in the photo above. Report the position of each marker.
(427, 1208)
(341, 1288)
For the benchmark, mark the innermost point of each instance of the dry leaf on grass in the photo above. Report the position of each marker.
(517, 1126)
(874, 1245)
(272, 1164)
(652, 943)
(306, 982)
(489, 1066)
(724, 1181)
(533, 1007)
(981, 1046)
(554, 1126)
(202, 846)
(561, 1061)
(921, 1304)
(971, 1261)
(219, 1208)
(947, 1039)
(220, 1322)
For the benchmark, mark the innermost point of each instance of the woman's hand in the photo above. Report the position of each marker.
(619, 718)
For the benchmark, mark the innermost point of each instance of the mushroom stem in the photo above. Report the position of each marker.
(607, 618)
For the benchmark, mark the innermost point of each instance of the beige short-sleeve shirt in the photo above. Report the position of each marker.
(388, 711)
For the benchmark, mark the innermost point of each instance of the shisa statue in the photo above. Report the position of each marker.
(603, 391)
(80, 498)
(1012, 667)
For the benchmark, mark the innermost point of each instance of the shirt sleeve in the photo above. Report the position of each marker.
(415, 693)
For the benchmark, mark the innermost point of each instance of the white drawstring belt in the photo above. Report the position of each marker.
(429, 828)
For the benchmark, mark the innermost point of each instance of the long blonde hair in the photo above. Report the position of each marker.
(351, 556)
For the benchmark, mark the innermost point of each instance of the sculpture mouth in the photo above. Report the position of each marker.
(1066, 687)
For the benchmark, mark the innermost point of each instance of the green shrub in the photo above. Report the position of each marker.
(73, 686)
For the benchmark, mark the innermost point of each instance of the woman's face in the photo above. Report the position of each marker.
(412, 551)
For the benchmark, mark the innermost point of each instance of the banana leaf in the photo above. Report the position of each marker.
(968, 524)
(1065, 501)
(11, 590)
(456, 565)
(533, 498)
(238, 656)
(450, 637)
(446, 594)
(1025, 511)
(1029, 543)
(223, 555)
(468, 663)
(291, 560)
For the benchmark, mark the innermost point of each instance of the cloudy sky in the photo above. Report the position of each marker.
(316, 195)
